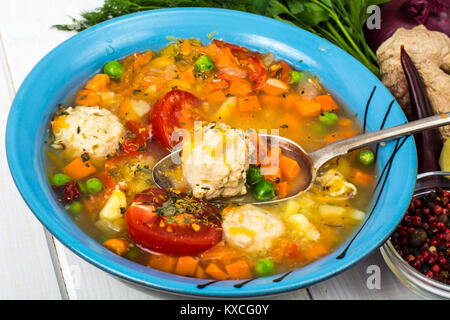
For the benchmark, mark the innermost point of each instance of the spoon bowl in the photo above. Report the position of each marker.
(310, 163)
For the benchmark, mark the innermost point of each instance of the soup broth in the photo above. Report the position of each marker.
(101, 151)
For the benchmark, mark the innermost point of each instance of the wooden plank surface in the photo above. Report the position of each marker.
(24, 27)
(26, 269)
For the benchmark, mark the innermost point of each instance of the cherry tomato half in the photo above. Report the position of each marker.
(174, 110)
(154, 226)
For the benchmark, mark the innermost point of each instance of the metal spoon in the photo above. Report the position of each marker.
(311, 162)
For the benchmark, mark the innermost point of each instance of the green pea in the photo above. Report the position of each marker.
(264, 267)
(133, 253)
(328, 118)
(296, 76)
(254, 175)
(113, 69)
(366, 157)
(264, 191)
(204, 63)
(94, 185)
(82, 187)
(60, 179)
(75, 207)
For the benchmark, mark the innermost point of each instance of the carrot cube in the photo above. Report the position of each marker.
(186, 266)
(289, 168)
(239, 270)
(79, 169)
(88, 98)
(240, 87)
(308, 108)
(290, 100)
(98, 82)
(327, 102)
(216, 97)
(283, 189)
(275, 87)
(249, 103)
(162, 262)
(214, 271)
(270, 101)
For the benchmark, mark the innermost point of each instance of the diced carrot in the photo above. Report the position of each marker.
(221, 252)
(332, 137)
(345, 122)
(185, 47)
(240, 87)
(79, 169)
(88, 98)
(283, 189)
(327, 102)
(141, 59)
(226, 58)
(289, 168)
(98, 82)
(360, 178)
(214, 271)
(212, 50)
(239, 270)
(59, 123)
(118, 246)
(162, 262)
(275, 87)
(315, 252)
(216, 97)
(200, 273)
(186, 266)
(290, 100)
(249, 103)
(270, 101)
(217, 84)
(188, 76)
(308, 108)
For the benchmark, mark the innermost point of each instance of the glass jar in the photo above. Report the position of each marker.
(410, 277)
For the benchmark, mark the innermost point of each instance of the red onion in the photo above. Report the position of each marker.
(434, 14)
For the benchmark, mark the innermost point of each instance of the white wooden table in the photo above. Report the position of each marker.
(34, 265)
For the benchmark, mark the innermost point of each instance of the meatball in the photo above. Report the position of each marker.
(91, 130)
(250, 228)
(333, 184)
(216, 166)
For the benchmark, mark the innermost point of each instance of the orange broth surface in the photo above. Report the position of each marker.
(245, 90)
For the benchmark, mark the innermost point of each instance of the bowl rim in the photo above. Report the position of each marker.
(158, 282)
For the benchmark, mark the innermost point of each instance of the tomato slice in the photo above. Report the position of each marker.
(283, 72)
(141, 135)
(154, 225)
(238, 51)
(174, 110)
(256, 71)
(250, 61)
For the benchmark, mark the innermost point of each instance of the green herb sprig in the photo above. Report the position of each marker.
(339, 21)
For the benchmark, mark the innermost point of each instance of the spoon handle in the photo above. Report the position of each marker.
(341, 147)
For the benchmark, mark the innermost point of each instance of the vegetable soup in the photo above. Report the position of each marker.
(102, 148)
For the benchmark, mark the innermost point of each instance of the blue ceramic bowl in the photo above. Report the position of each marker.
(74, 61)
